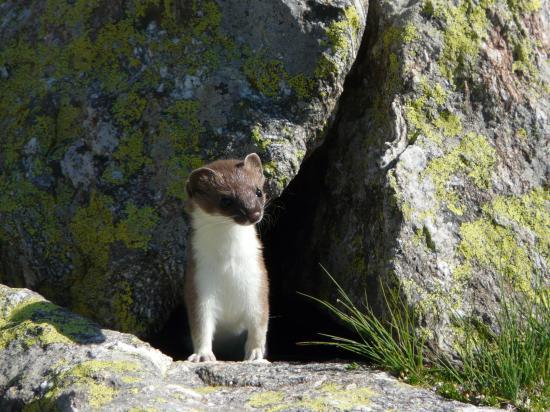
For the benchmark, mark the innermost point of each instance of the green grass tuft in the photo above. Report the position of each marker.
(396, 344)
(508, 367)
(513, 365)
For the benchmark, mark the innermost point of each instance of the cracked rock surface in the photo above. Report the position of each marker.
(51, 359)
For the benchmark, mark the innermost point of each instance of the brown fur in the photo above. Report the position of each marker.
(236, 180)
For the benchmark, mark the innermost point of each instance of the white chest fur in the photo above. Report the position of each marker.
(228, 275)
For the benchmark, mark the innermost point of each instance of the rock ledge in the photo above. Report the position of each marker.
(51, 359)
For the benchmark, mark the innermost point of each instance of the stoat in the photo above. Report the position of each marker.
(226, 285)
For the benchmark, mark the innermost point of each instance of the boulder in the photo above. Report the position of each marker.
(105, 108)
(51, 359)
(434, 180)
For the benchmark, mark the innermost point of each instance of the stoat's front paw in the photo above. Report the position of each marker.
(202, 356)
(254, 354)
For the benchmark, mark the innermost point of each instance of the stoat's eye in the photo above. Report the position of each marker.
(226, 202)
(258, 192)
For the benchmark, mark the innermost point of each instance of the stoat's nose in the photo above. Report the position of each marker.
(254, 216)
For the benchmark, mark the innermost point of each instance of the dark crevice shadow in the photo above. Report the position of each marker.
(294, 317)
(78, 329)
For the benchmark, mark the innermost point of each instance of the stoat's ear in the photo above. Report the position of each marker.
(200, 180)
(253, 161)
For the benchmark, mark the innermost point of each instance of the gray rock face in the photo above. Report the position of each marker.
(51, 359)
(437, 172)
(105, 108)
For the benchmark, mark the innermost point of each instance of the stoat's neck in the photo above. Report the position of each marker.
(215, 231)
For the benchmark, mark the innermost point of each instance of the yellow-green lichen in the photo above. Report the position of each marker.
(28, 333)
(465, 28)
(128, 109)
(88, 376)
(346, 399)
(474, 158)
(438, 93)
(93, 231)
(269, 76)
(130, 153)
(265, 75)
(205, 390)
(325, 67)
(531, 211)
(25, 208)
(301, 85)
(521, 133)
(123, 303)
(136, 229)
(496, 248)
(89, 369)
(410, 33)
(340, 32)
(258, 139)
(426, 116)
(524, 6)
(267, 398)
(99, 394)
(68, 123)
(182, 129)
(329, 397)
(492, 242)
(416, 115)
(523, 58)
(38, 322)
(449, 124)
(270, 171)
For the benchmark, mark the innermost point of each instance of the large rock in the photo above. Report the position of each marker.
(51, 359)
(105, 107)
(437, 172)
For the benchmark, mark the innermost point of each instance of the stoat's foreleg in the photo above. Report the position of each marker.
(257, 330)
(203, 325)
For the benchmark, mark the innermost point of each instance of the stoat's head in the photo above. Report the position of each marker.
(231, 188)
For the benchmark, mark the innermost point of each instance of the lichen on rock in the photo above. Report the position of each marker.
(106, 108)
(437, 163)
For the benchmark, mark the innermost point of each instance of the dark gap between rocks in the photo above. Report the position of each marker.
(296, 318)
(288, 224)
